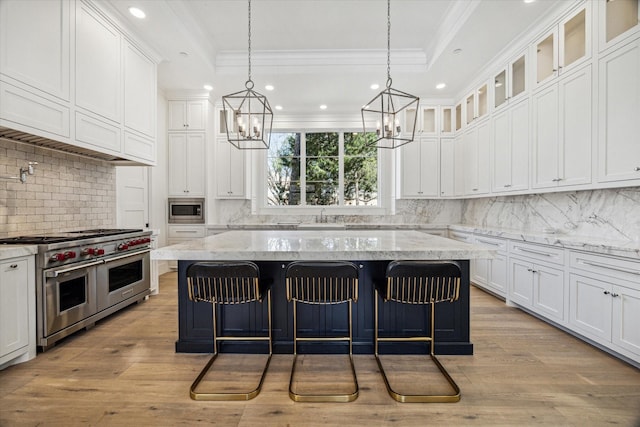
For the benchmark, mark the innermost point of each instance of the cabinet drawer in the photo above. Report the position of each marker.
(537, 252)
(461, 236)
(620, 268)
(499, 245)
(186, 231)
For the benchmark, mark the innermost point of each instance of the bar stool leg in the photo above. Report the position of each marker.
(195, 395)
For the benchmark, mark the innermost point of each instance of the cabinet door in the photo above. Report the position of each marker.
(626, 318)
(446, 127)
(548, 292)
(590, 306)
(195, 166)
(429, 167)
(483, 152)
(521, 290)
(230, 171)
(619, 109)
(139, 91)
(480, 272)
(429, 120)
(411, 169)
(14, 315)
(177, 169)
(447, 167)
(98, 65)
(196, 115)
(574, 44)
(574, 157)
(177, 115)
(501, 149)
(546, 57)
(498, 278)
(470, 161)
(545, 138)
(520, 149)
(34, 44)
(459, 172)
(618, 20)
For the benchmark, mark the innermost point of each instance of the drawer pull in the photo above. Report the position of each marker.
(13, 266)
(488, 243)
(622, 270)
(531, 251)
(186, 231)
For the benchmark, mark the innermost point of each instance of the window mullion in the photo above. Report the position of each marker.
(341, 169)
(303, 169)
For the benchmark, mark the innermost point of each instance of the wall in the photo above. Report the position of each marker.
(407, 212)
(67, 192)
(609, 214)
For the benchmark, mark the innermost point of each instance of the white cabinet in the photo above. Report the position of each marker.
(536, 276)
(510, 148)
(230, 171)
(98, 71)
(420, 168)
(183, 233)
(190, 115)
(139, 91)
(619, 109)
(17, 310)
(426, 121)
(187, 164)
(618, 21)
(447, 167)
(562, 146)
(476, 160)
(35, 44)
(477, 105)
(510, 84)
(458, 170)
(491, 274)
(605, 301)
(447, 121)
(566, 46)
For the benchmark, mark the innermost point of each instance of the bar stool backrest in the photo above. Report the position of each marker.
(422, 282)
(322, 282)
(224, 282)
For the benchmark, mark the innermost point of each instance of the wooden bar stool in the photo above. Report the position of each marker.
(228, 282)
(419, 282)
(322, 282)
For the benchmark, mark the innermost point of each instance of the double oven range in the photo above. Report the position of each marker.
(84, 276)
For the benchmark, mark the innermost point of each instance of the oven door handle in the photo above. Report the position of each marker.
(127, 255)
(56, 273)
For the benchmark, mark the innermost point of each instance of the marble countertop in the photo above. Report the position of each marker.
(356, 245)
(629, 249)
(346, 225)
(13, 251)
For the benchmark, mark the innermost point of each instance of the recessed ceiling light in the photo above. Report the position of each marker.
(138, 13)
(529, 1)
(269, 87)
(375, 86)
(208, 87)
(278, 107)
(457, 51)
(441, 86)
(323, 107)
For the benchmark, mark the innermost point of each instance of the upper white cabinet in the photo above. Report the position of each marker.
(420, 168)
(187, 164)
(458, 119)
(447, 124)
(139, 91)
(458, 170)
(426, 121)
(35, 44)
(477, 105)
(562, 144)
(566, 46)
(98, 71)
(619, 110)
(190, 115)
(477, 159)
(510, 148)
(447, 167)
(510, 84)
(230, 171)
(618, 20)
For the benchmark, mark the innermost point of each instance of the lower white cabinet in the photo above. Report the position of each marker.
(491, 274)
(535, 285)
(183, 233)
(605, 301)
(17, 310)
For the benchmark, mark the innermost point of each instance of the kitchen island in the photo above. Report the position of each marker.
(371, 250)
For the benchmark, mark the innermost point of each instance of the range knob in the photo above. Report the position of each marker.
(57, 257)
(100, 251)
(123, 247)
(69, 255)
(88, 251)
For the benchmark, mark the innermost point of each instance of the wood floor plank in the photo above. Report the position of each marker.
(124, 372)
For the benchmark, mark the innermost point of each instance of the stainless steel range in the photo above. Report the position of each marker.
(84, 276)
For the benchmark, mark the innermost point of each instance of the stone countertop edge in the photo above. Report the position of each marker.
(628, 249)
(15, 251)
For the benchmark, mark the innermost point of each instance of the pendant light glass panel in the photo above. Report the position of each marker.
(252, 119)
(384, 114)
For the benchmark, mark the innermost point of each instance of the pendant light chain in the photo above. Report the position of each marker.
(388, 43)
(249, 84)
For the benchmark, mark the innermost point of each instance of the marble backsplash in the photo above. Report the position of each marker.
(612, 214)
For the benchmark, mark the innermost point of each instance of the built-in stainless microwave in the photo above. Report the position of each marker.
(186, 211)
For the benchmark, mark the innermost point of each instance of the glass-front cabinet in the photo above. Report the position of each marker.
(447, 124)
(511, 82)
(619, 19)
(425, 122)
(564, 47)
(476, 105)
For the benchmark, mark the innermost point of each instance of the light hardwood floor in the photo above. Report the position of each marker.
(124, 371)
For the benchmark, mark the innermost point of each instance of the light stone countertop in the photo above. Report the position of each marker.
(14, 251)
(355, 245)
(628, 249)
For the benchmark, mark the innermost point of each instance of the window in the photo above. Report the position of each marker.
(322, 169)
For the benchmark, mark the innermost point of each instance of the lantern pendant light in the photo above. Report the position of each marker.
(251, 113)
(384, 112)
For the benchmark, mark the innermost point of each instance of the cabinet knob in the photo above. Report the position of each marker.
(615, 295)
(606, 292)
(14, 266)
(637, 169)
